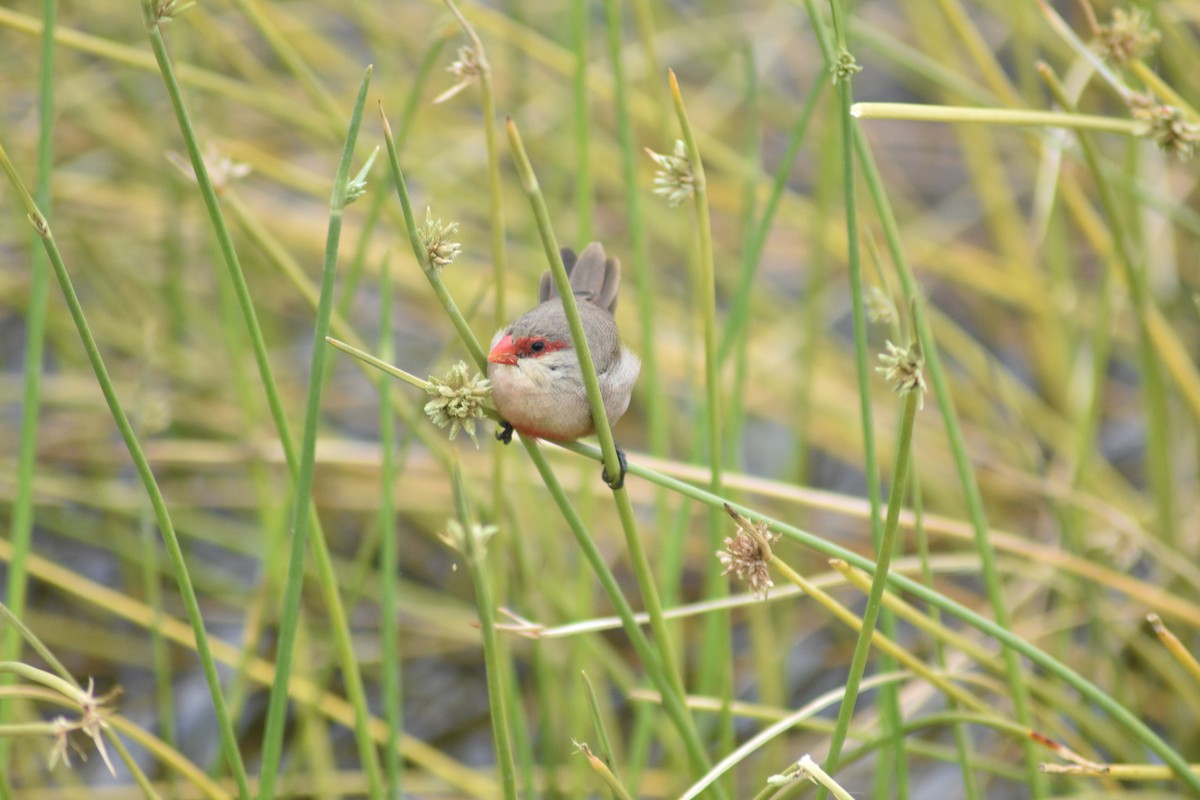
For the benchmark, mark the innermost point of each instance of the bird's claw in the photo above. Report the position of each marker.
(505, 433)
(620, 479)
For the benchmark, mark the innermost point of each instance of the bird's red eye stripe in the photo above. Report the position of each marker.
(536, 346)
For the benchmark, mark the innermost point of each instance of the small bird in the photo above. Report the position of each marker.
(537, 382)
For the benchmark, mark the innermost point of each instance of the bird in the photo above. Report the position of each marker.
(537, 381)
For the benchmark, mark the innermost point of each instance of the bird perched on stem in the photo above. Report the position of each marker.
(537, 381)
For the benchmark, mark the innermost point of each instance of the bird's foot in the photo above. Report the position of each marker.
(620, 479)
(505, 433)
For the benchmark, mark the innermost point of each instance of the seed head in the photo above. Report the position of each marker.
(902, 368)
(748, 552)
(1127, 37)
(433, 236)
(674, 179)
(845, 66)
(466, 68)
(457, 400)
(455, 537)
(167, 10)
(1168, 127)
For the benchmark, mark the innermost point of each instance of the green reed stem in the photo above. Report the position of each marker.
(739, 307)
(883, 557)
(302, 497)
(994, 116)
(706, 288)
(717, 648)
(966, 473)
(598, 724)
(843, 78)
(637, 553)
(178, 563)
(673, 699)
(655, 398)
(221, 230)
(994, 589)
(474, 551)
(487, 95)
(392, 662)
(963, 747)
(563, 282)
(21, 523)
(439, 289)
(1158, 449)
(581, 120)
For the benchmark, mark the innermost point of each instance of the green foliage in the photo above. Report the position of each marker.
(945, 582)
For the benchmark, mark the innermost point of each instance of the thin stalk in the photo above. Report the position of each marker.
(706, 288)
(474, 551)
(598, 724)
(187, 592)
(995, 116)
(739, 308)
(717, 646)
(21, 523)
(673, 700)
(392, 662)
(584, 200)
(883, 545)
(563, 283)
(431, 273)
(221, 230)
(962, 741)
(883, 555)
(160, 654)
(633, 542)
(1158, 450)
(1020, 696)
(487, 96)
(966, 473)
(302, 490)
(655, 397)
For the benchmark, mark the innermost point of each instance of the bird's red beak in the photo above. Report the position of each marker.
(505, 352)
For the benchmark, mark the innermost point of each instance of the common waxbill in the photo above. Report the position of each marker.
(537, 383)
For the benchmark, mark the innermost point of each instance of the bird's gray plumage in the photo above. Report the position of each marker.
(545, 395)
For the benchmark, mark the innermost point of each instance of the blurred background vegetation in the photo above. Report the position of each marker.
(1061, 292)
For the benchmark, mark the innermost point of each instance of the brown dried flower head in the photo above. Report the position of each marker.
(748, 552)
